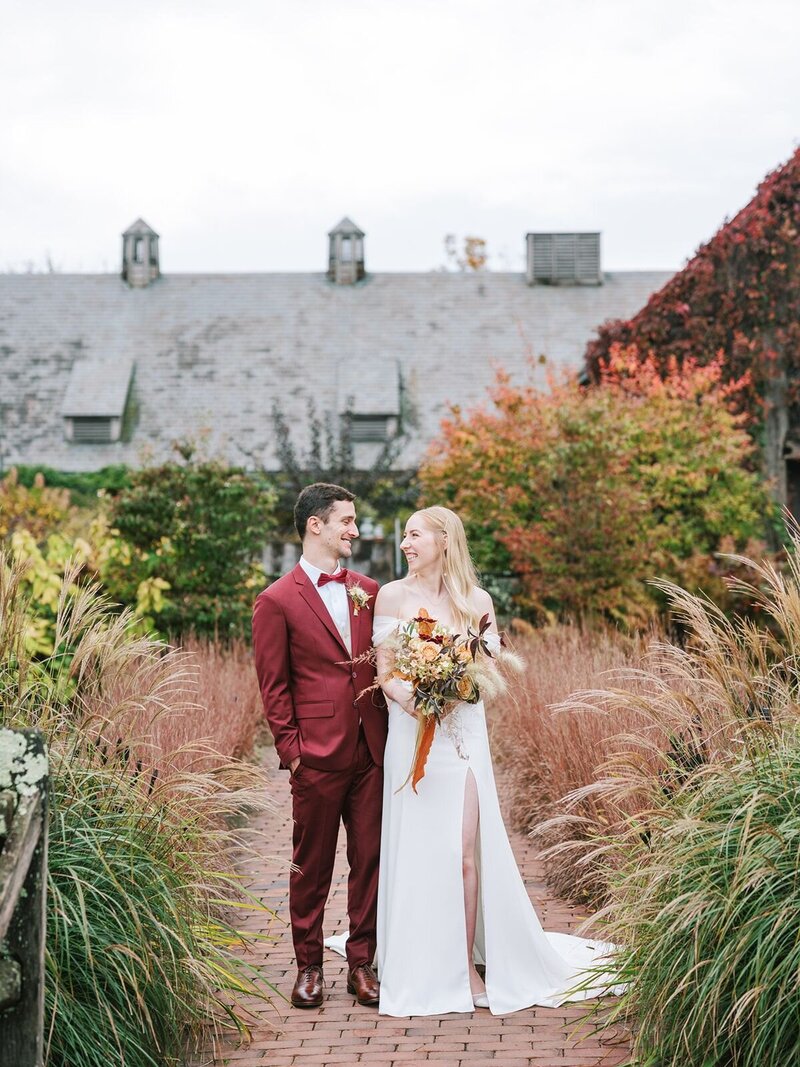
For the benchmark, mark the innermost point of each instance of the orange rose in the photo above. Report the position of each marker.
(430, 652)
(466, 688)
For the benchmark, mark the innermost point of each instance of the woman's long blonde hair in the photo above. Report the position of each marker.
(458, 570)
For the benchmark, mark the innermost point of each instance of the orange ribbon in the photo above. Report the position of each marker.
(423, 748)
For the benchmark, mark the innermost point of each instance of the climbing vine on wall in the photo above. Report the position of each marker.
(738, 298)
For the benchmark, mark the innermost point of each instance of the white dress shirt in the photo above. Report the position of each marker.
(334, 597)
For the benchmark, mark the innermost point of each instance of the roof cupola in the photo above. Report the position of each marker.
(346, 253)
(140, 255)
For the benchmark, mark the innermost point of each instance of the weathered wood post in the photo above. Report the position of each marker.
(23, 886)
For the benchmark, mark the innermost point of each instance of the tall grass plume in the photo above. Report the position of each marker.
(146, 792)
(703, 890)
(546, 754)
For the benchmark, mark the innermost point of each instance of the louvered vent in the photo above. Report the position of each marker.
(369, 427)
(564, 259)
(92, 430)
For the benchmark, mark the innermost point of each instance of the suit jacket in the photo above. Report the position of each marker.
(313, 694)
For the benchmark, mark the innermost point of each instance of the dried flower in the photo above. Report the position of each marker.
(443, 669)
(359, 596)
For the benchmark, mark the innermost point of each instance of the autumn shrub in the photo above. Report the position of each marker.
(200, 525)
(41, 526)
(142, 954)
(702, 889)
(38, 508)
(179, 543)
(585, 494)
(97, 555)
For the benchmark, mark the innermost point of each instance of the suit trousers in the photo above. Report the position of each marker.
(320, 800)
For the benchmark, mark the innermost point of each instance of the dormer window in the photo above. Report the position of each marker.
(370, 393)
(346, 253)
(94, 405)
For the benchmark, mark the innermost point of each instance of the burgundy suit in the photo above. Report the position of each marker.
(317, 708)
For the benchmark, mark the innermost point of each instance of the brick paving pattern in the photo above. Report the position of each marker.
(342, 1032)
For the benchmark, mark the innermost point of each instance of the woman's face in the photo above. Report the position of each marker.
(421, 545)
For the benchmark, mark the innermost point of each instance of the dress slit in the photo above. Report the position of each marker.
(477, 941)
(479, 944)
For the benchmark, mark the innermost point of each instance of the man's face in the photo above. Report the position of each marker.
(339, 531)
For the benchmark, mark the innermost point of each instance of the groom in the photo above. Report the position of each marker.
(328, 731)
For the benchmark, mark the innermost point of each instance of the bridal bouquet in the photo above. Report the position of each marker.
(445, 669)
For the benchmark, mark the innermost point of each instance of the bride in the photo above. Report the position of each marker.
(450, 895)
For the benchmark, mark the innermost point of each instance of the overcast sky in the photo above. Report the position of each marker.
(243, 130)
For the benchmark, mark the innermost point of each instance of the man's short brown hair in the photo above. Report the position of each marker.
(318, 499)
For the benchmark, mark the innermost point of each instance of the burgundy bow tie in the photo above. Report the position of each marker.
(340, 576)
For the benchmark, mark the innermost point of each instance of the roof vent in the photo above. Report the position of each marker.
(564, 259)
(92, 430)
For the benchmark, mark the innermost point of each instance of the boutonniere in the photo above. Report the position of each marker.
(359, 596)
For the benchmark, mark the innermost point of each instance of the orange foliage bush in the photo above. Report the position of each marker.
(39, 509)
(585, 494)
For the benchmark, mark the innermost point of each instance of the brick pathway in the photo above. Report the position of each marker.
(342, 1032)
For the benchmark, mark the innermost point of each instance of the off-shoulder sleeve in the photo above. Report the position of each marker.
(382, 627)
(493, 641)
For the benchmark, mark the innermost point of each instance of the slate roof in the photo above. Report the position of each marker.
(211, 352)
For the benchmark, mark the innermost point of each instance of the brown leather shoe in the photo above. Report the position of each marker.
(363, 983)
(307, 992)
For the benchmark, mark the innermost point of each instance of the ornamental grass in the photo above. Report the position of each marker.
(142, 955)
(703, 882)
(708, 904)
(546, 753)
(218, 717)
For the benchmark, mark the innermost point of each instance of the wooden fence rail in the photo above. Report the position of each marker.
(23, 886)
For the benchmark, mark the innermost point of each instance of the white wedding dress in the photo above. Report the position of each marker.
(421, 956)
